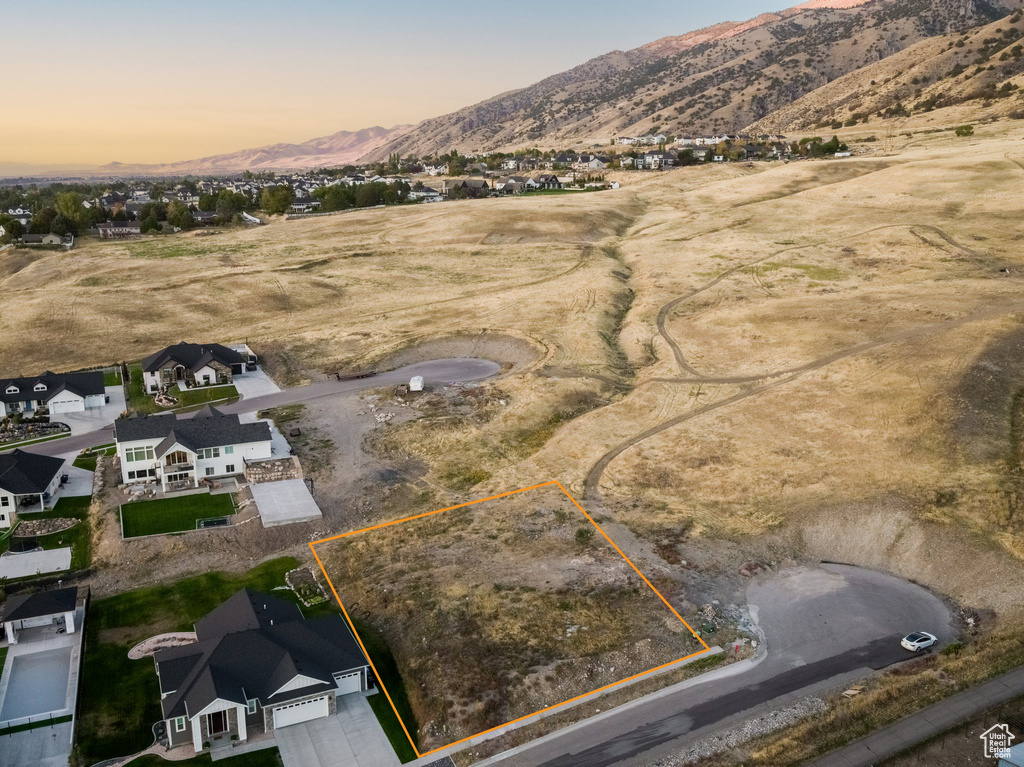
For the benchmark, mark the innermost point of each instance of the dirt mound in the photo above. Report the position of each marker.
(515, 354)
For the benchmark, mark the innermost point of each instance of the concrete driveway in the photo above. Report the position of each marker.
(351, 738)
(255, 383)
(95, 418)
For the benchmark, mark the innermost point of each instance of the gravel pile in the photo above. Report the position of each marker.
(748, 730)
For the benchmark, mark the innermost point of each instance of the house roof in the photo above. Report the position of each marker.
(24, 473)
(22, 606)
(249, 647)
(82, 384)
(193, 356)
(208, 428)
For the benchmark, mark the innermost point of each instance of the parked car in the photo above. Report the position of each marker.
(918, 641)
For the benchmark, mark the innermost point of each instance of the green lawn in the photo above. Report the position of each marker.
(112, 377)
(115, 725)
(87, 460)
(173, 515)
(3, 657)
(387, 669)
(79, 537)
(268, 757)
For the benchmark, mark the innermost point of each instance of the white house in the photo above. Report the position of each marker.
(53, 392)
(26, 480)
(179, 453)
(257, 665)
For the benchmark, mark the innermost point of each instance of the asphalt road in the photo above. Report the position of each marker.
(454, 370)
(819, 622)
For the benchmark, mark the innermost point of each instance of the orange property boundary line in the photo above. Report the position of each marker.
(313, 545)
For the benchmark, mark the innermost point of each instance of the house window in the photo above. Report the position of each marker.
(5, 501)
(211, 452)
(12, 389)
(209, 471)
(3, 517)
(139, 454)
(230, 468)
(39, 387)
(179, 724)
(251, 706)
(229, 450)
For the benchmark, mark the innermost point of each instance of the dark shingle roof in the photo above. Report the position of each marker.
(22, 606)
(82, 384)
(209, 428)
(24, 473)
(192, 356)
(247, 651)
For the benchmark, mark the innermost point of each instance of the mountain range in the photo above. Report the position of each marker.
(821, 61)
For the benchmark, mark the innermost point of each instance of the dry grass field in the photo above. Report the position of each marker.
(503, 607)
(728, 364)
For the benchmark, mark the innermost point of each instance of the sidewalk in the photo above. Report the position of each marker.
(925, 724)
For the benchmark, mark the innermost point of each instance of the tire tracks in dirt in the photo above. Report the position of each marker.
(665, 312)
(592, 481)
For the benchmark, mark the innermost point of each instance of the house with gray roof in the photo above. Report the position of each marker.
(52, 392)
(23, 612)
(192, 365)
(181, 452)
(26, 480)
(257, 665)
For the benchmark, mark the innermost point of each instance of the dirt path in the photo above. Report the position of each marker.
(592, 481)
(665, 312)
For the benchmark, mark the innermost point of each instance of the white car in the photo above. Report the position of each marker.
(918, 641)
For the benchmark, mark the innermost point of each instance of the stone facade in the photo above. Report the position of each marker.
(274, 470)
(168, 375)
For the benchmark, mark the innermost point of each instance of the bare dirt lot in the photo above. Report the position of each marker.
(501, 608)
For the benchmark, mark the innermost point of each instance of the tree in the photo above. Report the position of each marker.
(275, 199)
(62, 225)
(69, 205)
(965, 130)
(207, 203)
(150, 224)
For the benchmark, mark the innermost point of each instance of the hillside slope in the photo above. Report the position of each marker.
(980, 72)
(719, 78)
(339, 148)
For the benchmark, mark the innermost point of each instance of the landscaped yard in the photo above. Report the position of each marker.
(118, 725)
(141, 402)
(87, 460)
(79, 537)
(173, 515)
(112, 377)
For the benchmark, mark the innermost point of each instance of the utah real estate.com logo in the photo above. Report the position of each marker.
(997, 740)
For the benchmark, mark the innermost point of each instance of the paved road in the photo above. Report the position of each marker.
(458, 369)
(932, 721)
(820, 623)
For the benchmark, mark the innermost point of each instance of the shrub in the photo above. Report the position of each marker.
(965, 130)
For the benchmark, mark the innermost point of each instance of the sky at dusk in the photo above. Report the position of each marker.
(93, 82)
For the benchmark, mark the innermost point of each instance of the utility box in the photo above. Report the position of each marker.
(416, 383)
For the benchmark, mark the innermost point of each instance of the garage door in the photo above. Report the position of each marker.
(349, 682)
(293, 713)
(67, 406)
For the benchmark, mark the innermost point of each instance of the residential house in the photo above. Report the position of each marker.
(510, 163)
(43, 239)
(436, 170)
(426, 194)
(257, 665)
(43, 609)
(305, 205)
(179, 453)
(547, 181)
(119, 230)
(20, 214)
(52, 392)
(625, 140)
(26, 479)
(191, 364)
(475, 187)
(626, 162)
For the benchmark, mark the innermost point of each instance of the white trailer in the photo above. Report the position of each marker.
(416, 383)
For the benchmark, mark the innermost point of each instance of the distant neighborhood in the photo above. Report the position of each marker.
(52, 215)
